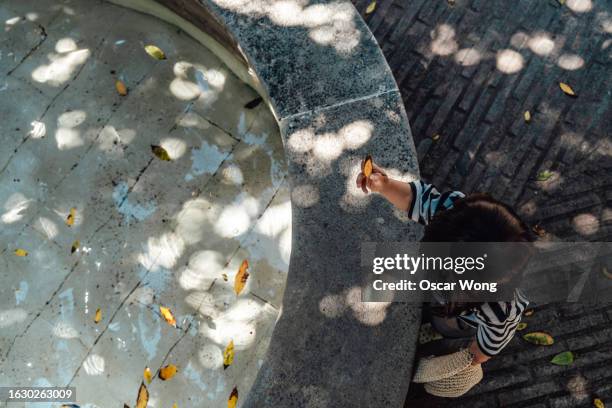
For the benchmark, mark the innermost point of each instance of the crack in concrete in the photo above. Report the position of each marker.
(43, 34)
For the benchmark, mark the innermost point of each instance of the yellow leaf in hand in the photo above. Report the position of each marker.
(241, 277)
(167, 372)
(160, 153)
(147, 375)
(98, 316)
(21, 252)
(167, 315)
(155, 52)
(121, 88)
(143, 396)
(367, 166)
(233, 399)
(228, 355)
(567, 89)
(371, 7)
(70, 217)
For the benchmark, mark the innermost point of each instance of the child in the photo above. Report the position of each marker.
(453, 216)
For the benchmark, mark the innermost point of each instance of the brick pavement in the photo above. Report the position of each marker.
(468, 71)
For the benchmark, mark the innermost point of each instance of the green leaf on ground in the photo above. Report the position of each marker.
(563, 359)
(544, 175)
(539, 338)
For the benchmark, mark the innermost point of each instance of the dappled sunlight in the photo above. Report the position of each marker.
(12, 317)
(331, 24)
(38, 131)
(235, 219)
(443, 40)
(175, 147)
(210, 356)
(195, 81)
(585, 224)
(162, 251)
(202, 270)
(65, 330)
(570, 62)
(15, 208)
(62, 64)
(66, 135)
(47, 227)
(468, 57)
(367, 313)
(305, 195)
(509, 61)
(580, 6)
(94, 364)
(541, 44)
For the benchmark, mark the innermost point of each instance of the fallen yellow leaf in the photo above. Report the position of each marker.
(174, 405)
(143, 396)
(598, 403)
(75, 245)
(521, 326)
(121, 88)
(367, 166)
(228, 355)
(435, 137)
(233, 399)
(155, 52)
(528, 312)
(539, 338)
(241, 277)
(167, 372)
(21, 252)
(567, 89)
(160, 153)
(167, 315)
(527, 116)
(70, 217)
(371, 7)
(98, 316)
(147, 375)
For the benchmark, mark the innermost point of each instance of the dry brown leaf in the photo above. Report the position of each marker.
(21, 252)
(567, 89)
(367, 166)
(527, 116)
(143, 396)
(98, 316)
(241, 277)
(228, 355)
(75, 245)
(155, 52)
(371, 7)
(167, 372)
(233, 399)
(167, 315)
(147, 375)
(160, 153)
(121, 88)
(70, 217)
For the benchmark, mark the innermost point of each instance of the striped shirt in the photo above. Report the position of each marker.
(496, 322)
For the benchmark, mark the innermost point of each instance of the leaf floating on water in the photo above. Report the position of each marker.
(597, 403)
(160, 153)
(528, 312)
(527, 116)
(567, 89)
(233, 399)
(563, 359)
(371, 7)
(167, 372)
(121, 88)
(143, 396)
(167, 315)
(98, 316)
(147, 375)
(544, 175)
(21, 252)
(228, 355)
(75, 245)
(521, 326)
(254, 103)
(71, 216)
(367, 166)
(539, 338)
(241, 277)
(155, 52)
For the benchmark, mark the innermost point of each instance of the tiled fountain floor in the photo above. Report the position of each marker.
(150, 232)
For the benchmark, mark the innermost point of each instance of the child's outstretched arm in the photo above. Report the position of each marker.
(396, 192)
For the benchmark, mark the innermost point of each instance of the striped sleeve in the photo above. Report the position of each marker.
(426, 200)
(497, 323)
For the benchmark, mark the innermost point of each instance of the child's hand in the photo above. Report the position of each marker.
(376, 182)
